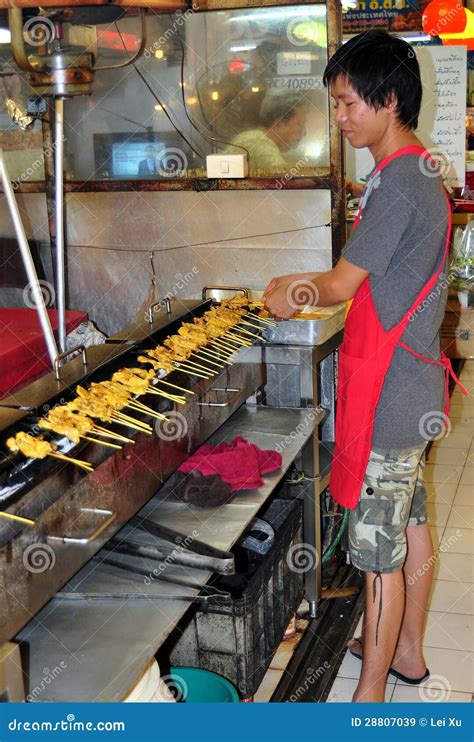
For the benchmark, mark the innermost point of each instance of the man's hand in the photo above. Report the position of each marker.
(278, 303)
(285, 280)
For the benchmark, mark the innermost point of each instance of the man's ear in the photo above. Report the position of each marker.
(391, 103)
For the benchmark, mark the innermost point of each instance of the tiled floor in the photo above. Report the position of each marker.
(449, 631)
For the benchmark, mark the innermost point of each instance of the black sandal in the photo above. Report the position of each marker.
(395, 673)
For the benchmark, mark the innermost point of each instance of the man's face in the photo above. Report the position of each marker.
(150, 153)
(359, 122)
(291, 132)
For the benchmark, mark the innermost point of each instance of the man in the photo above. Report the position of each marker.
(147, 166)
(283, 126)
(391, 375)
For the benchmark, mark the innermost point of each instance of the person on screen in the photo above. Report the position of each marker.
(283, 126)
(148, 166)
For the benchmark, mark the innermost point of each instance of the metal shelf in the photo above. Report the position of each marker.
(106, 643)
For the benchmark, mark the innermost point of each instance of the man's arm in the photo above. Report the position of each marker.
(284, 294)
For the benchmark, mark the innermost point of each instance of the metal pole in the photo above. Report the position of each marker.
(28, 262)
(59, 219)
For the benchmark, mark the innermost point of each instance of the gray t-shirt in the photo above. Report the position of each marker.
(400, 240)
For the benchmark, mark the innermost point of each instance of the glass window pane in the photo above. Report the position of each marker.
(23, 150)
(251, 81)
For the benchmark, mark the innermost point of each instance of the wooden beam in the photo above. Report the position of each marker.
(248, 4)
(161, 5)
(338, 193)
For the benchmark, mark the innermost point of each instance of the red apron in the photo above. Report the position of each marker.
(364, 359)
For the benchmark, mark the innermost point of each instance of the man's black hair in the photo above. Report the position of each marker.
(379, 66)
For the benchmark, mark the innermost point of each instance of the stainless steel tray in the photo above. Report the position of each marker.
(307, 331)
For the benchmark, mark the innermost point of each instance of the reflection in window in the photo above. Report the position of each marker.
(23, 150)
(251, 80)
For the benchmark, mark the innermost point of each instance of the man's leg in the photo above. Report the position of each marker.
(378, 545)
(381, 629)
(418, 570)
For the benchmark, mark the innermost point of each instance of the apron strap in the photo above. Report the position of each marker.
(446, 363)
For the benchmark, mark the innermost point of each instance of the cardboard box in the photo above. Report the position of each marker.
(457, 331)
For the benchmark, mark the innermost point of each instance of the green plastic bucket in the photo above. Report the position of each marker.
(193, 685)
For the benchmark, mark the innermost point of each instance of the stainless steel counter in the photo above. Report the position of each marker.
(101, 646)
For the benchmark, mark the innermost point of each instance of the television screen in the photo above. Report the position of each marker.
(131, 156)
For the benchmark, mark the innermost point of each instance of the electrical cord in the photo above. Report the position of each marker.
(160, 103)
(197, 244)
(188, 116)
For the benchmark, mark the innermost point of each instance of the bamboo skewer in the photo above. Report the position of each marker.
(128, 424)
(181, 388)
(265, 320)
(152, 413)
(223, 348)
(194, 366)
(207, 360)
(97, 430)
(102, 443)
(191, 372)
(18, 518)
(251, 324)
(136, 403)
(241, 340)
(134, 420)
(254, 334)
(212, 353)
(69, 459)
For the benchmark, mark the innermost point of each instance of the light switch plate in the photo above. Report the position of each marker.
(227, 166)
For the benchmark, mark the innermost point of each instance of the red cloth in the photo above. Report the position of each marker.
(364, 359)
(23, 352)
(239, 463)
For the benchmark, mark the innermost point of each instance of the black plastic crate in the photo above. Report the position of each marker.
(238, 639)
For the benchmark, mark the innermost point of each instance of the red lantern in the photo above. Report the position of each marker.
(442, 17)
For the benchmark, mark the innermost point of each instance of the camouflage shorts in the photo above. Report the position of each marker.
(393, 497)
